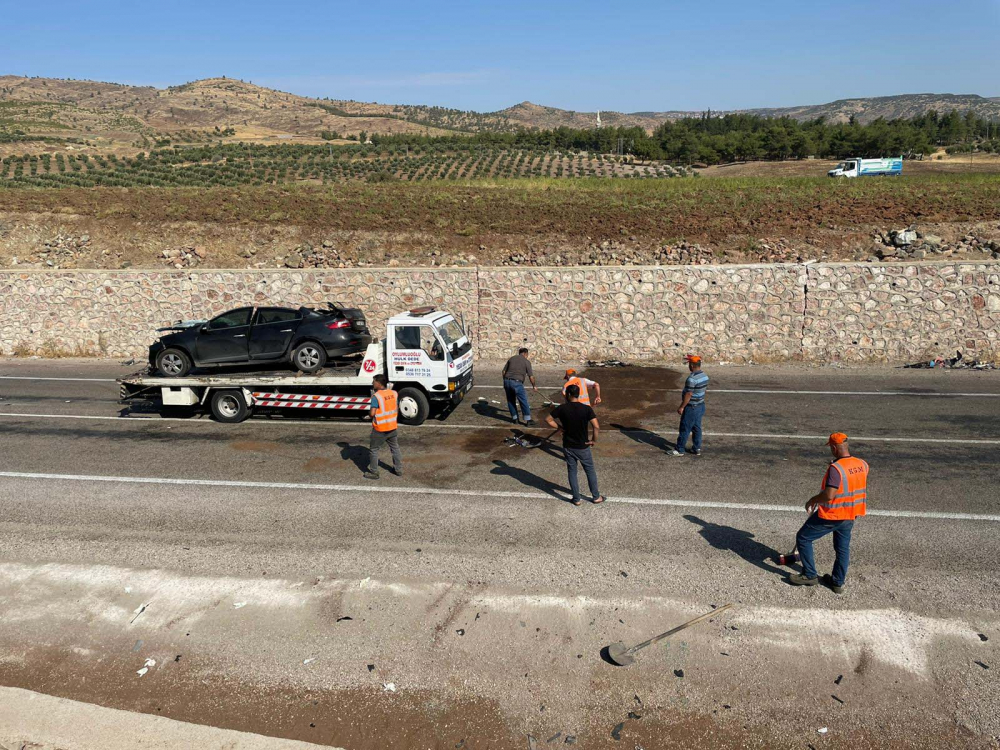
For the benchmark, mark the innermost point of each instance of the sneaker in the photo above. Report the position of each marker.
(371, 475)
(676, 453)
(797, 579)
(531, 423)
(828, 582)
(398, 472)
(696, 452)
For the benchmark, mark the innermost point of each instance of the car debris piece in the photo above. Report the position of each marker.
(371, 667)
(982, 636)
(837, 699)
(239, 605)
(137, 646)
(553, 738)
(150, 663)
(616, 733)
(389, 687)
(984, 666)
(138, 611)
(822, 730)
(606, 363)
(344, 618)
(310, 660)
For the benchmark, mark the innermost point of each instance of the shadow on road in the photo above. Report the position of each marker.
(534, 481)
(741, 542)
(645, 437)
(359, 454)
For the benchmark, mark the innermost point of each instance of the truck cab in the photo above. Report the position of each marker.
(427, 351)
(845, 169)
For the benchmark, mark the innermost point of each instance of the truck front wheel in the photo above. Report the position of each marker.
(413, 406)
(229, 406)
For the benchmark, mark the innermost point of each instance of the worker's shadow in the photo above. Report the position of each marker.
(491, 412)
(534, 481)
(358, 454)
(741, 542)
(645, 437)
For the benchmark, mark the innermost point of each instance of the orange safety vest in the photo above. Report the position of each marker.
(584, 396)
(385, 415)
(849, 502)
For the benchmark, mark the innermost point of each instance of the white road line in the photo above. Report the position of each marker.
(66, 380)
(785, 392)
(435, 425)
(776, 392)
(470, 493)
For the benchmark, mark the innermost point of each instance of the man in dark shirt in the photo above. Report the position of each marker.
(514, 373)
(580, 428)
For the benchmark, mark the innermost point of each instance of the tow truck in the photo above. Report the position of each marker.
(426, 355)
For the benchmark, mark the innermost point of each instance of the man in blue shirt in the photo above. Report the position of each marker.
(692, 407)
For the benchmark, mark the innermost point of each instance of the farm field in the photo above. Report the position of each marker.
(540, 221)
(232, 165)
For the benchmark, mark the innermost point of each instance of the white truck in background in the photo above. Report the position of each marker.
(891, 167)
(426, 355)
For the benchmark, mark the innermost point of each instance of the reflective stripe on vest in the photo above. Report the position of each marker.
(584, 395)
(850, 501)
(385, 415)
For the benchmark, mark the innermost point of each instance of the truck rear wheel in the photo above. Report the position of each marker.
(414, 408)
(229, 406)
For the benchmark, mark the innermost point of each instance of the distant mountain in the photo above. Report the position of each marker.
(116, 112)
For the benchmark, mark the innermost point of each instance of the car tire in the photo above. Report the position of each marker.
(414, 408)
(173, 363)
(309, 357)
(229, 406)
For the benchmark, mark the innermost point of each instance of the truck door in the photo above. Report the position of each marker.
(416, 353)
(272, 332)
(224, 338)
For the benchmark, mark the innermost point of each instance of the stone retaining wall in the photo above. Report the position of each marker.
(820, 312)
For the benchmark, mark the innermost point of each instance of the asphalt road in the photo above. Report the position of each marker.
(480, 595)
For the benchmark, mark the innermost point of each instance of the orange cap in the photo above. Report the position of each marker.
(692, 358)
(570, 372)
(837, 438)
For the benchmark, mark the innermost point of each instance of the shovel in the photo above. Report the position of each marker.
(623, 656)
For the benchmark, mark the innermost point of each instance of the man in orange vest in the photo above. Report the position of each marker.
(384, 412)
(842, 499)
(584, 385)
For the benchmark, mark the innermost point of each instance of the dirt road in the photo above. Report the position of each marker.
(466, 604)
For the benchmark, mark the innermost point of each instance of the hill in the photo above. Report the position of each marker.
(229, 109)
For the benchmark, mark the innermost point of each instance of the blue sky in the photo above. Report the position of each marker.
(488, 55)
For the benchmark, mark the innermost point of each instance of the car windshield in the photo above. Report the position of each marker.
(451, 332)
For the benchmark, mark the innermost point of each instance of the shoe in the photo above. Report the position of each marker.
(531, 423)
(398, 472)
(676, 453)
(797, 579)
(695, 452)
(828, 582)
(371, 475)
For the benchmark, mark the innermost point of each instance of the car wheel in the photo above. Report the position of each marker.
(173, 363)
(309, 357)
(413, 406)
(229, 406)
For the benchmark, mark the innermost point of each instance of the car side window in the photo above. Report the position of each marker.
(407, 337)
(231, 319)
(276, 315)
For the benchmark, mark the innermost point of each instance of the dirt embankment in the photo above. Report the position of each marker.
(517, 223)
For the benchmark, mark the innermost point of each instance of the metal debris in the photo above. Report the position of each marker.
(239, 605)
(138, 611)
(982, 636)
(606, 363)
(958, 362)
(389, 687)
(616, 733)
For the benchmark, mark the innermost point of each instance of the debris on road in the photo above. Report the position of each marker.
(310, 660)
(822, 730)
(345, 618)
(606, 363)
(460, 631)
(837, 699)
(839, 678)
(149, 664)
(137, 646)
(553, 738)
(388, 687)
(371, 667)
(984, 666)
(616, 733)
(138, 611)
(958, 362)
(678, 673)
(239, 605)
(982, 637)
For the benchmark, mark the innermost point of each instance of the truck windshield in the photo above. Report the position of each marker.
(451, 332)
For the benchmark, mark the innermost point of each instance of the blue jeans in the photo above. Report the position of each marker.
(516, 395)
(817, 528)
(691, 425)
(583, 456)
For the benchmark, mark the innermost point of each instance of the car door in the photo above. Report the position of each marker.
(225, 337)
(417, 354)
(272, 331)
